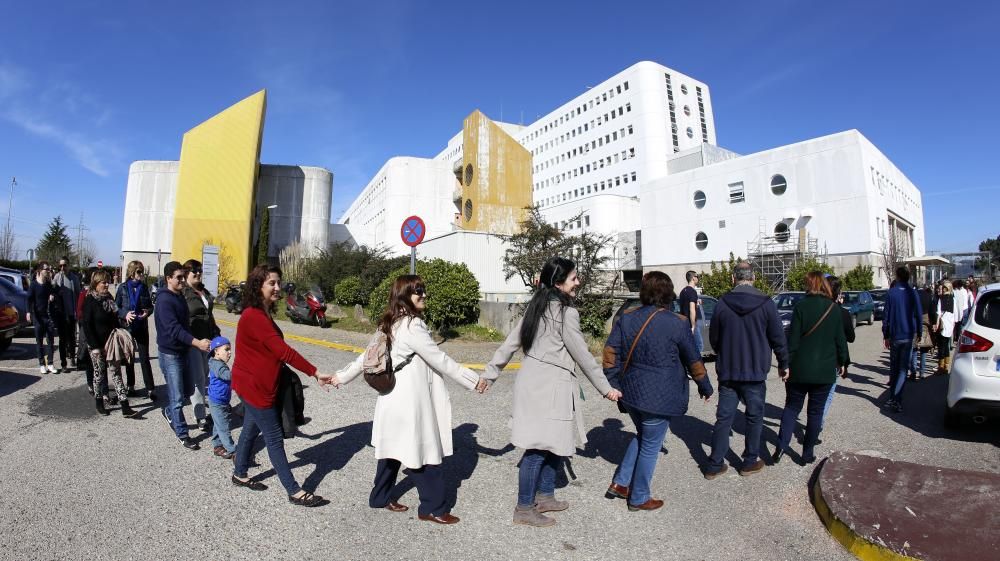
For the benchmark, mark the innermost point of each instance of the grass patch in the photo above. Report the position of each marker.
(475, 333)
(349, 323)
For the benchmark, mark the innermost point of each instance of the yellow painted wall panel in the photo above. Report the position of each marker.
(496, 177)
(216, 182)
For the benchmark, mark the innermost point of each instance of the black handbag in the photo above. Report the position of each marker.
(290, 401)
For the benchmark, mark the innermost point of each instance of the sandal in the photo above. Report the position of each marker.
(307, 499)
(249, 484)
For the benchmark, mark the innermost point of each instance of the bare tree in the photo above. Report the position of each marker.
(85, 251)
(891, 260)
(8, 245)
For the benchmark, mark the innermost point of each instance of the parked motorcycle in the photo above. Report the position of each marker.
(234, 298)
(308, 307)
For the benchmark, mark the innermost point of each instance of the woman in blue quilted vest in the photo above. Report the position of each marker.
(649, 356)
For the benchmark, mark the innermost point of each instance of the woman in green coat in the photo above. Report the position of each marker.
(817, 350)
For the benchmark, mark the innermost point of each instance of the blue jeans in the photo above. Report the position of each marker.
(899, 357)
(257, 422)
(795, 396)
(536, 475)
(829, 398)
(918, 361)
(198, 367)
(45, 330)
(222, 415)
(636, 469)
(174, 369)
(752, 394)
(699, 343)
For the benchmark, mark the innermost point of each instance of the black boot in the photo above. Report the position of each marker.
(100, 406)
(127, 411)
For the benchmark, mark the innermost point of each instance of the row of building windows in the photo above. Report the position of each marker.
(590, 189)
(585, 147)
(737, 193)
(582, 222)
(600, 163)
(579, 110)
(585, 127)
(888, 188)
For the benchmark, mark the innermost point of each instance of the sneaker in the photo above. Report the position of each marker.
(889, 403)
(190, 444)
(713, 473)
(897, 407)
(205, 424)
(43, 370)
(531, 517)
(72, 364)
(151, 395)
(52, 369)
(166, 417)
(752, 468)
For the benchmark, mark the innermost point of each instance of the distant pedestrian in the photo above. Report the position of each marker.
(100, 318)
(945, 327)
(648, 357)
(134, 308)
(412, 428)
(173, 341)
(68, 288)
(849, 336)
(963, 303)
(261, 353)
(923, 343)
(82, 350)
(546, 413)
(200, 307)
(41, 301)
(817, 349)
(902, 322)
(745, 332)
(219, 395)
(690, 306)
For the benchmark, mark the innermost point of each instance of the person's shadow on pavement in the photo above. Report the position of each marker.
(330, 454)
(463, 462)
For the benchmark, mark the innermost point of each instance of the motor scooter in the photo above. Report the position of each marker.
(234, 298)
(308, 307)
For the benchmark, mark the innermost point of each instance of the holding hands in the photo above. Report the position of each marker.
(613, 395)
(482, 385)
(328, 380)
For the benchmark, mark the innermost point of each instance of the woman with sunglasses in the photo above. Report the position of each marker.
(546, 415)
(41, 301)
(200, 304)
(412, 426)
(134, 309)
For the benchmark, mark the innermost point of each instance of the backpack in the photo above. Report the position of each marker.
(377, 366)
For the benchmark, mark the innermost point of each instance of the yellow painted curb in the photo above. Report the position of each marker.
(358, 350)
(859, 546)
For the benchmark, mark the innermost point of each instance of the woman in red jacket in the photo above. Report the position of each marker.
(260, 353)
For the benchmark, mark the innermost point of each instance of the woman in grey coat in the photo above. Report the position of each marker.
(546, 414)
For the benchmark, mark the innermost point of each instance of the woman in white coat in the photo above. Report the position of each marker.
(412, 426)
(546, 416)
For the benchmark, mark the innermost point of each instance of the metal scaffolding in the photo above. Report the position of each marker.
(774, 253)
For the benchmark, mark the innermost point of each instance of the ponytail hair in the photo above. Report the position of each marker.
(555, 271)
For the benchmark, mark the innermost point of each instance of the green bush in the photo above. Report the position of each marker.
(348, 292)
(719, 279)
(594, 313)
(796, 277)
(861, 277)
(452, 293)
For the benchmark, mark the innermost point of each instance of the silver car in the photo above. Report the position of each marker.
(707, 310)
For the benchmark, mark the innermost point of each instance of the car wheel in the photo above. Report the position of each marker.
(4, 343)
(854, 319)
(871, 318)
(952, 419)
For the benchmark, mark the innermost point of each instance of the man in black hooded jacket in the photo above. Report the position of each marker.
(745, 331)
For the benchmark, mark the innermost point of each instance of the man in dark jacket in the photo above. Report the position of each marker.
(745, 331)
(901, 323)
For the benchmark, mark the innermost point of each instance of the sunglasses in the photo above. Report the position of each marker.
(420, 292)
(178, 277)
(195, 271)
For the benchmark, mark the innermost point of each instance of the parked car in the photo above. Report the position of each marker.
(786, 301)
(878, 295)
(861, 305)
(974, 384)
(9, 324)
(10, 292)
(707, 310)
(18, 278)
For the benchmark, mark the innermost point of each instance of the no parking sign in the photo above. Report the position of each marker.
(412, 232)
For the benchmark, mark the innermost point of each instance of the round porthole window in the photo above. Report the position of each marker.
(778, 184)
(468, 174)
(687, 110)
(781, 232)
(690, 132)
(684, 89)
(468, 210)
(699, 199)
(701, 240)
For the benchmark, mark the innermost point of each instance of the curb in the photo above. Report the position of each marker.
(359, 350)
(856, 544)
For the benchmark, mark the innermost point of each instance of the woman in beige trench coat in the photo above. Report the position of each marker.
(546, 416)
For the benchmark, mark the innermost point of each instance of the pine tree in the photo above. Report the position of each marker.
(264, 239)
(55, 243)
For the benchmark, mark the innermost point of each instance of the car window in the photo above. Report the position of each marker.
(708, 308)
(787, 301)
(988, 310)
(878, 296)
(852, 298)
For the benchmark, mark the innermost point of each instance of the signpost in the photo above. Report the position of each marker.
(412, 232)
(210, 268)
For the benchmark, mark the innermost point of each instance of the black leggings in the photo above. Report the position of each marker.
(44, 331)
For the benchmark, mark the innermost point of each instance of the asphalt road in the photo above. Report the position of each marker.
(77, 486)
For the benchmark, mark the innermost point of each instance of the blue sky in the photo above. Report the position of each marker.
(88, 87)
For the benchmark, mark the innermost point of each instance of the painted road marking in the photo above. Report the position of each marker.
(358, 350)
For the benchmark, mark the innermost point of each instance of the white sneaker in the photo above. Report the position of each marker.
(42, 369)
(52, 370)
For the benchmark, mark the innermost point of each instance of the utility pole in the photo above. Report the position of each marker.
(10, 203)
(8, 236)
(79, 242)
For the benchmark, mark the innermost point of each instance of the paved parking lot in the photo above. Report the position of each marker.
(77, 486)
